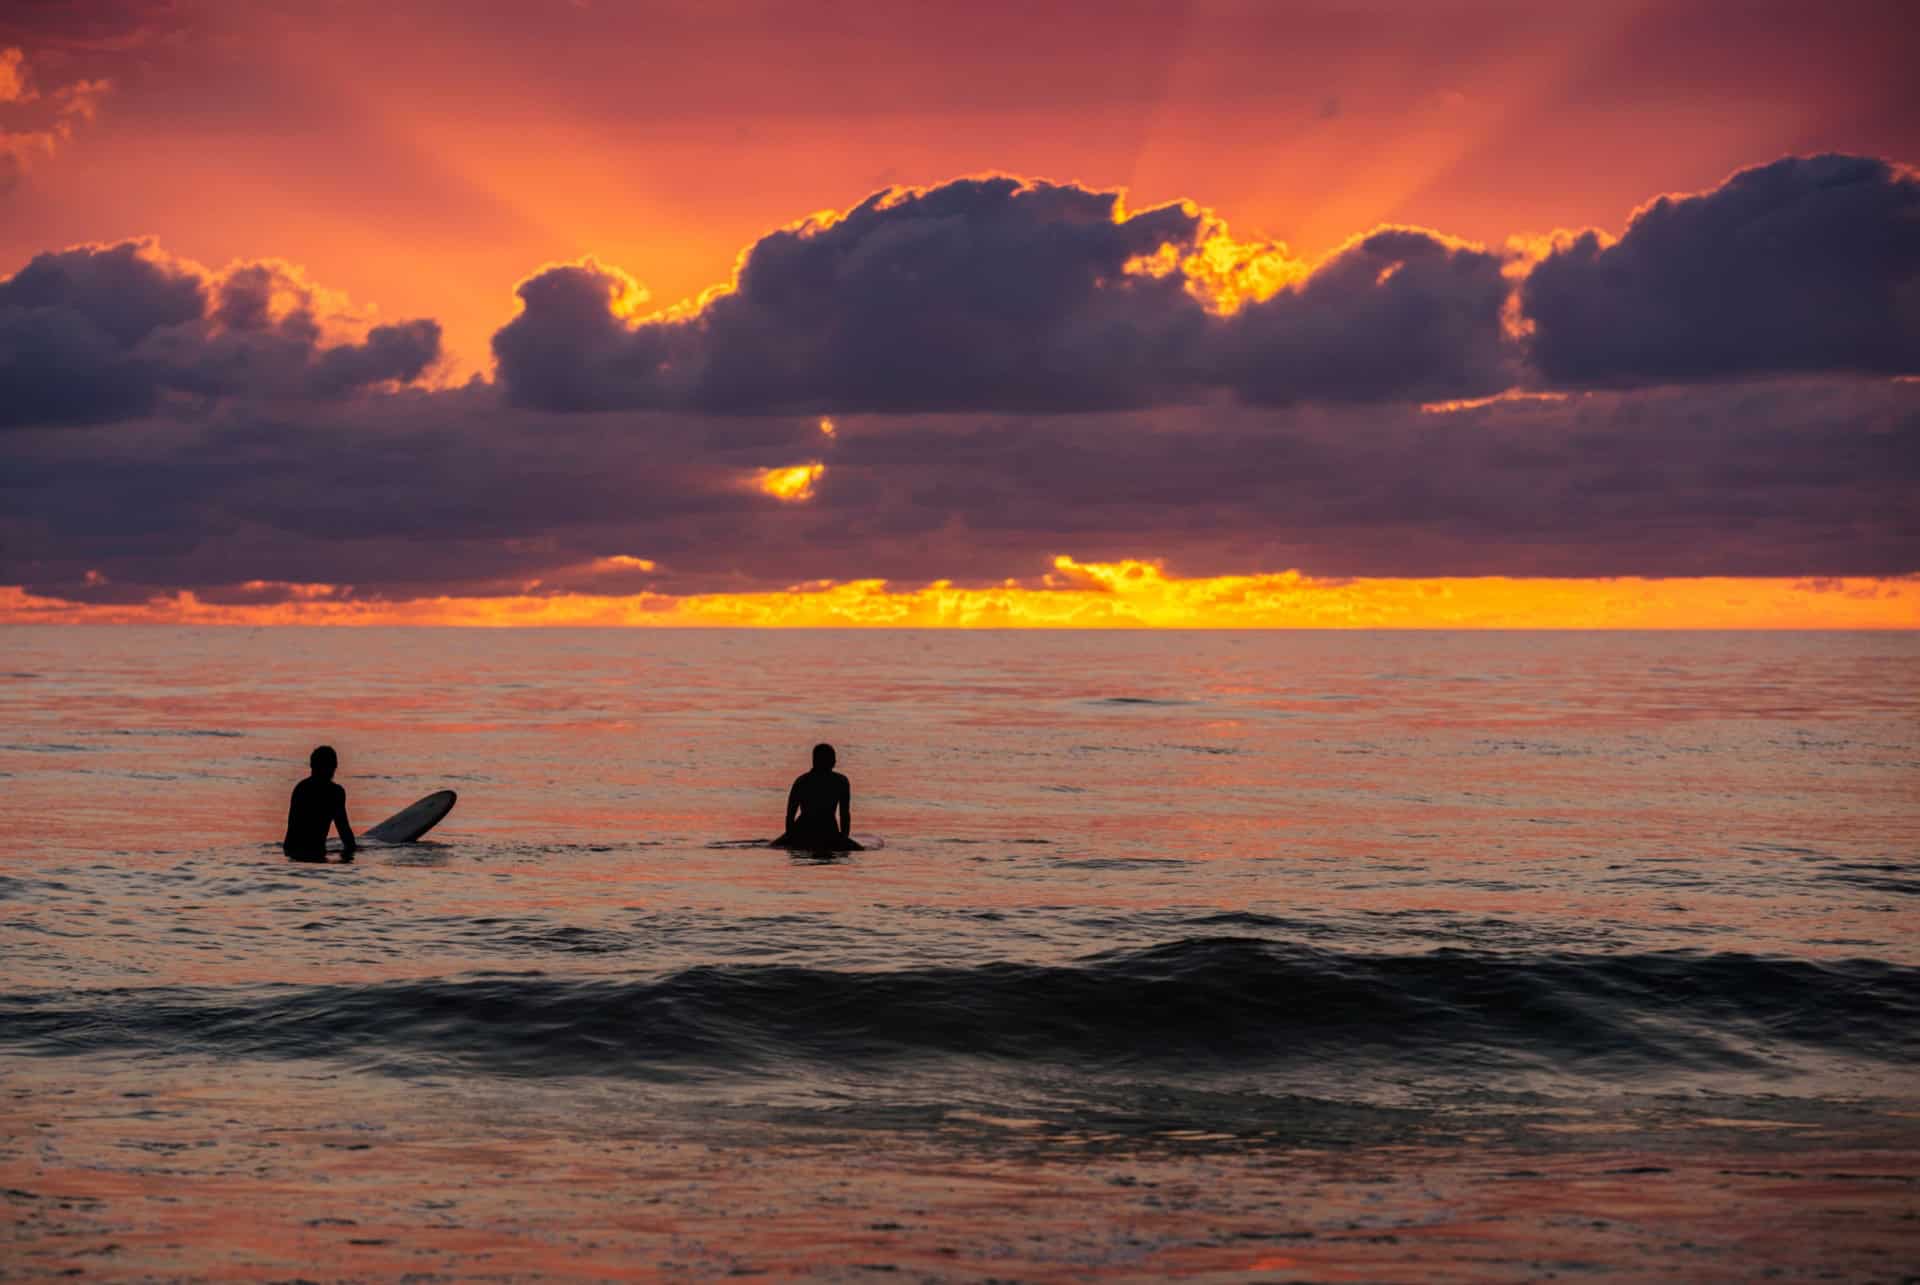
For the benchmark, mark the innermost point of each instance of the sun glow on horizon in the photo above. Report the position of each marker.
(1129, 594)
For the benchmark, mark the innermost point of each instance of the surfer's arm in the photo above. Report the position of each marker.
(341, 823)
(846, 807)
(793, 805)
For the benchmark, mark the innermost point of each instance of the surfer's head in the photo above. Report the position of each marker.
(823, 758)
(323, 760)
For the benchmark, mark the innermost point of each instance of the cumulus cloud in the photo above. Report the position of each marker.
(1399, 314)
(1806, 264)
(1012, 371)
(998, 295)
(983, 293)
(100, 333)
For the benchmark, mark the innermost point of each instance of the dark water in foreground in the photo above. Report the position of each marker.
(1186, 901)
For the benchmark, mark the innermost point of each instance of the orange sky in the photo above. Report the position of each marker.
(424, 158)
(421, 160)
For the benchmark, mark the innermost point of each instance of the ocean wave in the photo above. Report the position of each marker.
(1219, 1002)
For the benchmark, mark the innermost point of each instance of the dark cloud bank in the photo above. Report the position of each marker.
(1803, 265)
(99, 334)
(1005, 388)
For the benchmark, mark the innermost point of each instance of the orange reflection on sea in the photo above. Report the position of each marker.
(268, 1172)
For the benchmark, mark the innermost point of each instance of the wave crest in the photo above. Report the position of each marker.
(1196, 1003)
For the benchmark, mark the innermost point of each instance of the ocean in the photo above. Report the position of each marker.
(1223, 956)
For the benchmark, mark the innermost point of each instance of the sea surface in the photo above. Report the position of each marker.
(1263, 955)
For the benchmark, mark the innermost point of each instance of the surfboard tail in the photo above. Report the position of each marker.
(414, 820)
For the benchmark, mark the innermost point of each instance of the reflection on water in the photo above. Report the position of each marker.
(1725, 792)
(1143, 909)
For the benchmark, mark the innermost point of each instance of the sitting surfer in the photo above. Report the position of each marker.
(820, 809)
(317, 804)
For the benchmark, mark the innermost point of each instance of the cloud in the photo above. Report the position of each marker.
(1754, 479)
(427, 493)
(75, 27)
(400, 353)
(982, 293)
(100, 333)
(71, 328)
(1399, 314)
(1806, 264)
(1009, 371)
(999, 295)
(16, 85)
(50, 126)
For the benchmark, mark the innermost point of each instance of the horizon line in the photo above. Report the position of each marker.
(1124, 595)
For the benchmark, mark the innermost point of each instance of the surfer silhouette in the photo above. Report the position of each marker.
(820, 809)
(317, 804)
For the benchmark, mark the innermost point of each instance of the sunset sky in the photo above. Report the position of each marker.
(1434, 312)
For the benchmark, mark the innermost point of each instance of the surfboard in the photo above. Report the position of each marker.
(873, 844)
(412, 821)
(868, 843)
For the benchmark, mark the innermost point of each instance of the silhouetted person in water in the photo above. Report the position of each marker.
(317, 804)
(820, 809)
